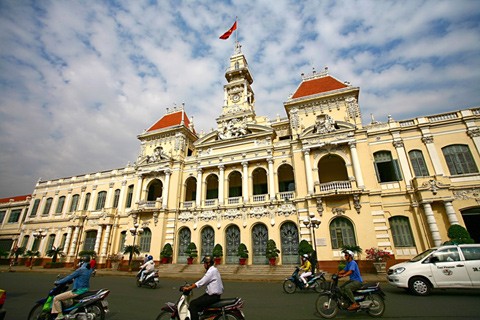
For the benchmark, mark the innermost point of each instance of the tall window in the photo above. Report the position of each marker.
(14, 216)
(401, 232)
(36, 204)
(459, 159)
(63, 241)
(2, 216)
(418, 163)
(25, 241)
(121, 242)
(102, 196)
(212, 187)
(48, 205)
(51, 241)
(234, 184)
(60, 204)
(74, 204)
(145, 240)
(116, 198)
(87, 201)
(90, 238)
(386, 168)
(259, 181)
(129, 196)
(342, 233)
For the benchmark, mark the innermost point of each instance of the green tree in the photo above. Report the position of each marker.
(458, 235)
(271, 251)
(191, 250)
(54, 253)
(242, 251)
(304, 248)
(131, 250)
(217, 251)
(31, 254)
(167, 251)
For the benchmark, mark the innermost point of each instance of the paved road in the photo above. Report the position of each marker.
(264, 300)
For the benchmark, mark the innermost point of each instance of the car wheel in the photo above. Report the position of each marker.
(419, 286)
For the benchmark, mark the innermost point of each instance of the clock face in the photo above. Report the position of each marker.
(235, 98)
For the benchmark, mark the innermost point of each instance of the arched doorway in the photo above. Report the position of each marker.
(208, 241)
(471, 218)
(259, 240)
(155, 190)
(184, 238)
(232, 235)
(332, 168)
(289, 241)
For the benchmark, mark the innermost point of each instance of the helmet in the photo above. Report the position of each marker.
(86, 259)
(150, 258)
(349, 252)
(208, 260)
(305, 256)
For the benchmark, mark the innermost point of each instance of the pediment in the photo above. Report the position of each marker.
(327, 126)
(233, 134)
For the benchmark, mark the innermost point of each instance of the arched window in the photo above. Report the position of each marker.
(234, 184)
(418, 163)
(116, 198)
(289, 240)
(401, 232)
(386, 167)
(342, 233)
(48, 205)
(36, 204)
(51, 241)
(208, 241)
(87, 201)
(459, 159)
(63, 242)
(259, 181)
(286, 178)
(259, 243)
(184, 239)
(191, 189)
(155, 190)
(128, 203)
(102, 196)
(60, 204)
(232, 239)
(212, 187)
(25, 241)
(145, 240)
(74, 204)
(90, 238)
(121, 241)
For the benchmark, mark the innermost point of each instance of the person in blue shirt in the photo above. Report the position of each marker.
(81, 284)
(355, 282)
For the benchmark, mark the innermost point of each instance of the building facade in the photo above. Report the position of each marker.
(397, 185)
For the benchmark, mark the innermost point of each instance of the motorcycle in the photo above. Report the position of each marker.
(91, 305)
(150, 279)
(370, 297)
(225, 309)
(315, 281)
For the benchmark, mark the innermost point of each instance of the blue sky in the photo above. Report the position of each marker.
(79, 80)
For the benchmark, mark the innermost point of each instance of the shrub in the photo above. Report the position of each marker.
(272, 251)
(458, 235)
(242, 251)
(167, 251)
(217, 251)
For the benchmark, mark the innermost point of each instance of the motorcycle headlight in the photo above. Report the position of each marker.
(398, 270)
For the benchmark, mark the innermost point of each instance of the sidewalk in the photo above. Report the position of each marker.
(251, 273)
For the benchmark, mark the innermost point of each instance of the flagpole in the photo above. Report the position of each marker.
(236, 30)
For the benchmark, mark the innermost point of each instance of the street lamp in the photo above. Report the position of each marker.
(312, 223)
(134, 231)
(38, 235)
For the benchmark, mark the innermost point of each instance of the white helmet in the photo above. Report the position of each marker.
(349, 252)
(305, 256)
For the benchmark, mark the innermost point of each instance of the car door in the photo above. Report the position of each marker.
(450, 270)
(471, 254)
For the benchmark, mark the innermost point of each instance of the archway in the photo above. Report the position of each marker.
(184, 239)
(259, 241)
(232, 239)
(289, 241)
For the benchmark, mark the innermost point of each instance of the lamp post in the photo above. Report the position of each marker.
(38, 235)
(312, 223)
(134, 231)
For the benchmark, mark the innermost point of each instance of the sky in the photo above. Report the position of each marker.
(80, 80)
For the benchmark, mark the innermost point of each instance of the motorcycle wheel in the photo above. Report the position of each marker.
(289, 287)
(377, 305)
(164, 315)
(228, 316)
(139, 283)
(153, 285)
(38, 314)
(97, 309)
(326, 306)
(319, 284)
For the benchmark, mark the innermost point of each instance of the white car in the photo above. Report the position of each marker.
(449, 266)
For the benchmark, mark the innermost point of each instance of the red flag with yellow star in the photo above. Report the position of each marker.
(227, 34)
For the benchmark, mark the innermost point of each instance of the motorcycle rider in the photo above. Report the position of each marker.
(306, 269)
(81, 284)
(147, 267)
(355, 282)
(213, 292)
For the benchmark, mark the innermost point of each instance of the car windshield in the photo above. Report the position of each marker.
(422, 255)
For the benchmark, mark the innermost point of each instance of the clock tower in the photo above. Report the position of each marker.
(239, 99)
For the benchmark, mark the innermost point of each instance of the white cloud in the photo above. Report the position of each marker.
(80, 80)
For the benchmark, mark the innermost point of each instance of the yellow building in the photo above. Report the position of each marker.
(317, 174)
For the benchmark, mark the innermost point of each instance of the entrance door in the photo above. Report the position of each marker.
(208, 241)
(259, 240)
(184, 238)
(233, 240)
(289, 239)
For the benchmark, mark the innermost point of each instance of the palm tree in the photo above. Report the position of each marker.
(131, 250)
(54, 252)
(30, 254)
(18, 252)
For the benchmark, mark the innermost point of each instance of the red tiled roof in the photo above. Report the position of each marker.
(15, 198)
(318, 85)
(170, 120)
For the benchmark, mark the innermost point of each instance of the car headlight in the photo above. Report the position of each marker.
(398, 270)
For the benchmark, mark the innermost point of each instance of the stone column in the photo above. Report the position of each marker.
(67, 240)
(108, 200)
(81, 201)
(53, 208)
(402, 156)
(93, 199)
(432, 223)
(308, 171)
(99, 237)
(221, 184)
(357, 169)
(121, 200)
(271, 179)
(245, 181)
(73, 245)
(68, 202)
(105, 240)
(432, 152)
(198, 200)
(452, 217)
(139, 191)
(166, 187)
